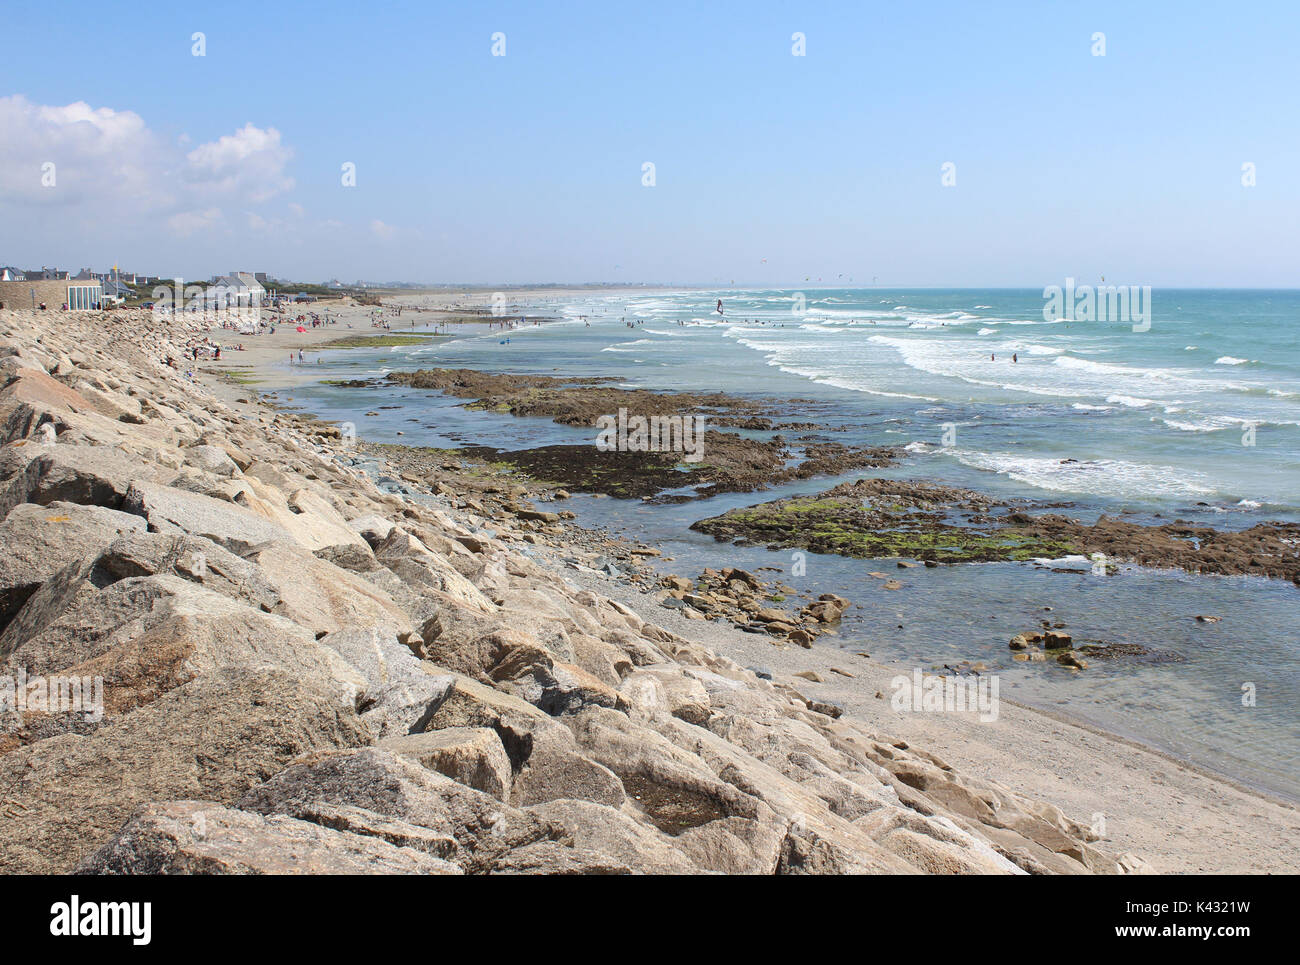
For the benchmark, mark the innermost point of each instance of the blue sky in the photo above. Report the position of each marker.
(528, 167)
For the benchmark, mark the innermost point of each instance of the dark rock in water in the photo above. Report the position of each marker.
(1103, 650)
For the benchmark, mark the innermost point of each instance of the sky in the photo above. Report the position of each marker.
(768, 167)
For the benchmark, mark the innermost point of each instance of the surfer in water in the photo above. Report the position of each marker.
(719, 308)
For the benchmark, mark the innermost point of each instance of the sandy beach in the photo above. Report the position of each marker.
(1178, 818)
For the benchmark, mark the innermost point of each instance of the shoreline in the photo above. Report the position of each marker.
(1170, 766)
(390, 683)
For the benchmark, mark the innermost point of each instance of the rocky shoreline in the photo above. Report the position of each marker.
(301, 672)
(867, 518)
(883, 518)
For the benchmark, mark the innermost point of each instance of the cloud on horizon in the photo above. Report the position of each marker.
(106, 161)
(77, 181)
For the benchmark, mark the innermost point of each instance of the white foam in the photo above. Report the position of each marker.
(1131, 401)
(1102, 477)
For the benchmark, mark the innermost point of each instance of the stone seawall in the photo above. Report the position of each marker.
(303, 673)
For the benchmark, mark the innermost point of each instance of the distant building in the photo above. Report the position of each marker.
(44, 274)
(78, 294)
(116, 290)
(12, 274)
(239, 289)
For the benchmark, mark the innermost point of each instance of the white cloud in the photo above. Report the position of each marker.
(109, 165)
(381, 230)
(185, 223)
(249, 164)
(93, 151)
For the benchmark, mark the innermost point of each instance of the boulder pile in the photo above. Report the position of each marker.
(281, 667)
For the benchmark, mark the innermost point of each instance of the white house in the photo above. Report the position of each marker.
(239, 289)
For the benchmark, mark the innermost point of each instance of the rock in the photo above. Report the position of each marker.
(191, 558)
(557, 688)
(373, 529)
(376, 780)
(1053, 640)
(401, 690)
(202, 837)
(316, 594)
(666, 688)
(146, 636)
(211, 459)
(801, 637)
(829, 708)
(209, 739)
(1129, 863)
(88, 475)
(176, 511)
(38, 541)
(555, 769)
(1208, 619)
(471, 755)
(607, 831)
(810, 675)
(551, 858)
(1069, 659)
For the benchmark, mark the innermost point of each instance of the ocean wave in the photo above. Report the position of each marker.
(1100, 477)
(1230, 360)
(1210, 425)
(823, 378)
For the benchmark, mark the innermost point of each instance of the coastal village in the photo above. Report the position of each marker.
(44, 289)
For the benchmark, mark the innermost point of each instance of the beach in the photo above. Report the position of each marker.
(233, 648)
(1180, 818)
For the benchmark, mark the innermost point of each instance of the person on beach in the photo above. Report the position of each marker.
(1013, 357)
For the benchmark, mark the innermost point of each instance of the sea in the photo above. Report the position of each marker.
(1157, 404)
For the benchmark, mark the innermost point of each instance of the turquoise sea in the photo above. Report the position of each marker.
(1191, 413)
